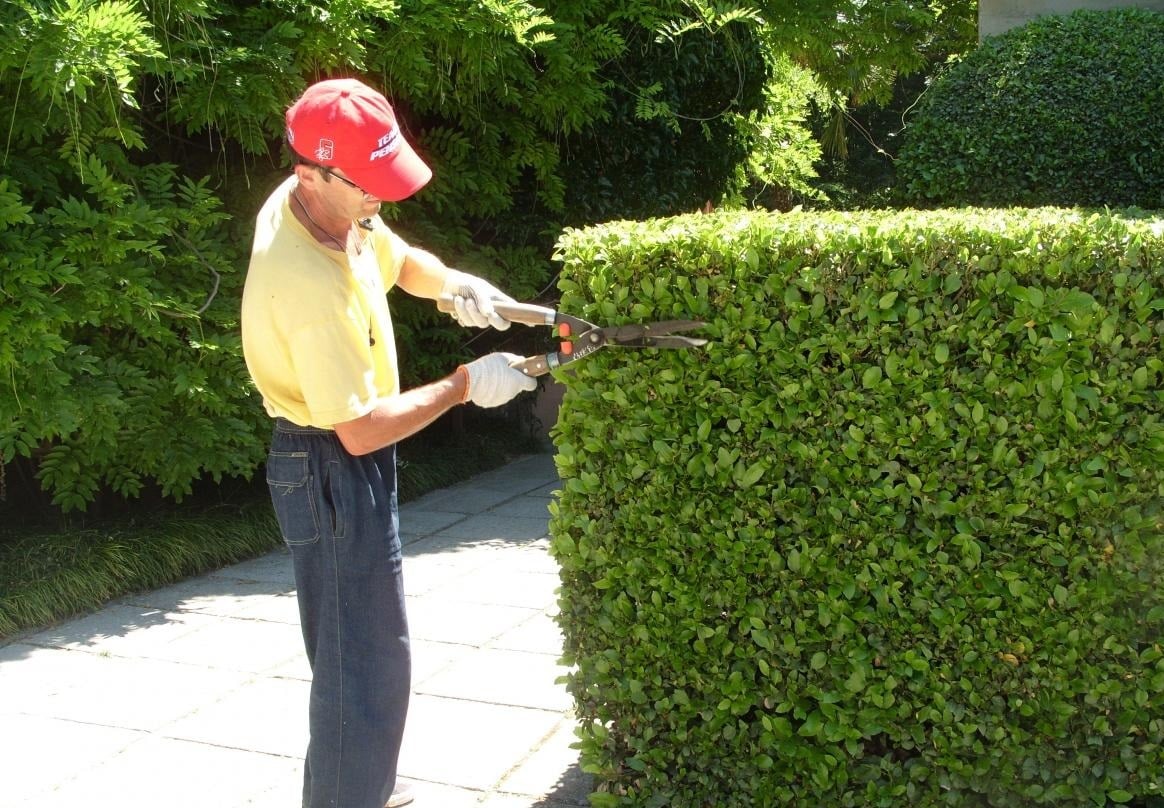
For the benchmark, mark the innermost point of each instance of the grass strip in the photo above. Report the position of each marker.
(49, 575)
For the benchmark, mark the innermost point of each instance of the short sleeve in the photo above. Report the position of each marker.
(335, 370)
(390, 252)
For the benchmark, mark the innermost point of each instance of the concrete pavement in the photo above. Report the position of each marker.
(196, 694)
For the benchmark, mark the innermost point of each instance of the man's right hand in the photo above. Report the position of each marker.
(492, 381)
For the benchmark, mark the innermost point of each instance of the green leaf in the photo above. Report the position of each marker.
(704, 431)
(748, 477)
(856, 681)
(812, 725)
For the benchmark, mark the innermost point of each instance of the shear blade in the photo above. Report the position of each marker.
(632, 334)
(667, 342)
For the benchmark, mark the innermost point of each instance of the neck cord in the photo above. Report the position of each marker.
(342, 246)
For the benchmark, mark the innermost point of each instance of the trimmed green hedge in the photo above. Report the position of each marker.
(895, 536)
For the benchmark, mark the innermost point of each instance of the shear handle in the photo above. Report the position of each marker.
(514, 312)
(538, 365)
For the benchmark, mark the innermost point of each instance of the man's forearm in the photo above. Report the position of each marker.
(423, 274)
(400, 416)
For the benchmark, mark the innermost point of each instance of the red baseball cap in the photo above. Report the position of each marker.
(345, 124)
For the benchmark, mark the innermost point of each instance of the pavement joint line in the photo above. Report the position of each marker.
(490, 509)
(210, 745)
(518, 651)
(82, 723)
(180, 609)
(482, 793)
(495, 703)
(533, 750)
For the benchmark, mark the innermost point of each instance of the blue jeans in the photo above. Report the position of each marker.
(338, 514)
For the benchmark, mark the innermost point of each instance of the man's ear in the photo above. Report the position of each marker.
(307, 175)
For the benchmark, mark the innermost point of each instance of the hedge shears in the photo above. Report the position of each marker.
(579, 338)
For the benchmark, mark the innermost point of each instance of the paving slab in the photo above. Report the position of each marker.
(552, 771)
(213, 595)
(495, 526)
(429, 619)
(416, 522)
(549, 490)
(274, 566)
(524, 506)
(33, 676)
(539, 634)
(196, 694)
(41, 753)
(180, 774)
(465, 499)
(530, 557)
(272, 609)
(136, 694)
(521, 476)
(294, 668)
(423, 575)
(441, 548)
(260, 718)
(498, 676)
(430, 658)
(123, 630)
(241, 645)
(469, 744)
(500, 585)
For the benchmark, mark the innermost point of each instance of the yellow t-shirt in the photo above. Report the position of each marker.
(316, 330)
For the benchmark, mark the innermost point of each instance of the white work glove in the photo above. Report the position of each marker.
(473, 300)
(492, 381)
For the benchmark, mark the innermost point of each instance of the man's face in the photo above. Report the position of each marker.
(344, 198)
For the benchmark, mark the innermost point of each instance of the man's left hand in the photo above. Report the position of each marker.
(473, 300)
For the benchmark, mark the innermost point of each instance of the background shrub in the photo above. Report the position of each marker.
(135, 132)
(896, 535)
(1064, 110)
(672, 143)
(147, 135)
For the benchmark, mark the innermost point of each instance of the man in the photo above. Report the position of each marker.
(318, 342)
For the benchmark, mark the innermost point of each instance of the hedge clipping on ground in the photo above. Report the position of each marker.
(895, 536)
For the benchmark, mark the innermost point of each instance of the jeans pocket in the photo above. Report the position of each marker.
(289, 479)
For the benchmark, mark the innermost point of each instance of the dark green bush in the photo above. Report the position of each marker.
(895, 536)
(670, 147)
(134, 132)
(1065, 110)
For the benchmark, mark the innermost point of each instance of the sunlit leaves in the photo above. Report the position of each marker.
(894, 535)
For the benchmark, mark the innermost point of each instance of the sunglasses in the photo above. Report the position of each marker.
(327, 172)
(344, 180)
